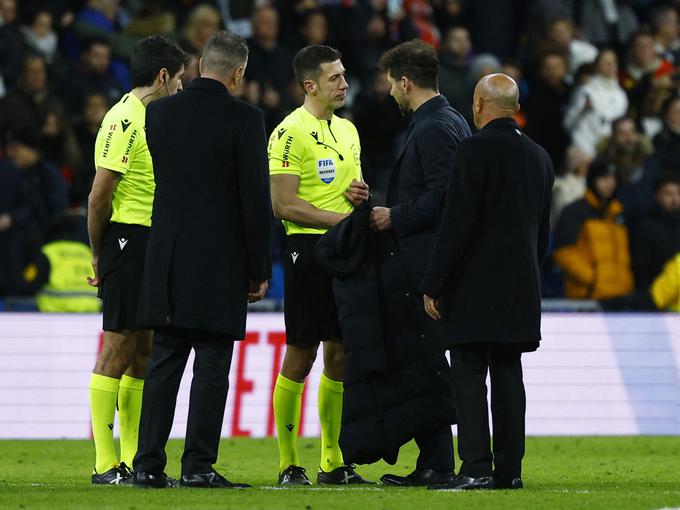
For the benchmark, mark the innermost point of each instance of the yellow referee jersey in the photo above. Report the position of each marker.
(121, 147)
(325, 154)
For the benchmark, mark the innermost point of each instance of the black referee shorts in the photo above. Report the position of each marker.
(121, 264)
(309, 306)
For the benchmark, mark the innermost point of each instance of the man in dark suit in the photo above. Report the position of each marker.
(483, 281)
(208, 255)
(415, 198)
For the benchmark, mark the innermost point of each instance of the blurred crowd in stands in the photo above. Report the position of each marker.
(599, 80)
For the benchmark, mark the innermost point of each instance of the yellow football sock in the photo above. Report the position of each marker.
(287, 408)
(103, 395)
(330, 416)
(129, 411)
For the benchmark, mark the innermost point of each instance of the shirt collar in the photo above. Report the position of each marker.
(207, 84)
(428, 107)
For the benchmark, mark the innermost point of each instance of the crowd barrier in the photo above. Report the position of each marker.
(595, 374)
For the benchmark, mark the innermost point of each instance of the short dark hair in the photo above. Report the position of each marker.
(150, 56)
(414, 59)
(620, 120)
(666, 177)
(96, 41)
(224, 52)
(307, 62)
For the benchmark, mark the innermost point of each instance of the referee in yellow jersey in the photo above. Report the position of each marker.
(314, 163)
(119, 217)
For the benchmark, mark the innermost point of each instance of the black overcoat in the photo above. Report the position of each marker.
(415, 193)
(493, 236)
(396, 380)
(210, 228)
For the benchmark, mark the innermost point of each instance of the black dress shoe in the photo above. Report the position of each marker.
(212, 480)
(419, 478)
(344, 475)
(516, 483)
(465, 483)
(153, 481)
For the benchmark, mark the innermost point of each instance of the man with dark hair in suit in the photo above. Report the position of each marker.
(415, 196)
(211, 213)
(484, 281)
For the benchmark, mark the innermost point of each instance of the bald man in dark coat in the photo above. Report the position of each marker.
(483, 281)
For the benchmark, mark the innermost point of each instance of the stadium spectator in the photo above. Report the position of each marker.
(46, 188)
(647, 78)
(657, 238)
(606, 22)
(38, 34)
(11, 47)
(455, 82)
(667, 142)
(85, 131)
(375, 42)
(380, 126)
(596, 104)
(483, 65)
(58, 145)
(629, 151)
(666, 30)
(545, 106)
(314, 29)
(92, 75)
(15, 215)
(204, 21)
(56, 272)
(571, 185)
(560, 36)
(153, 17)
(26, 105)
(269, 74)
(592, 240)
(662, 295)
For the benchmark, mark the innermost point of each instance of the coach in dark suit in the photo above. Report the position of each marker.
(483, 281)
(414, 203)
(208, 254)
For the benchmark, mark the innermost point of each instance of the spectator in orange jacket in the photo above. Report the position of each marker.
(592, 240)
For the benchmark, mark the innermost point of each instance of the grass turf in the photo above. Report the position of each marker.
(560, 472)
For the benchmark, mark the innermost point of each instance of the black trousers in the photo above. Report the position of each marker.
(436, 450)
(470, 365)
(209, 386)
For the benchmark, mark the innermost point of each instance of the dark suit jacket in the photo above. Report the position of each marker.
(415, 193)
(493, 236)
(210, 228)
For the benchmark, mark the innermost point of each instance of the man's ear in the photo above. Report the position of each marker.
(238, 74)
(310, 87)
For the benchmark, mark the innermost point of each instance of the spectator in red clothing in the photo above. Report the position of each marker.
(665, 24)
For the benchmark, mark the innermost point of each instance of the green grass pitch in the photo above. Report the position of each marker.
(559, 473)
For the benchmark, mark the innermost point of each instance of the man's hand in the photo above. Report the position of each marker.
(357, 192)
(94, 282)
(380, 219)
(256, 291)
(432, 307)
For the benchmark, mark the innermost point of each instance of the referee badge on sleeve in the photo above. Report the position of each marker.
(326, 170)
